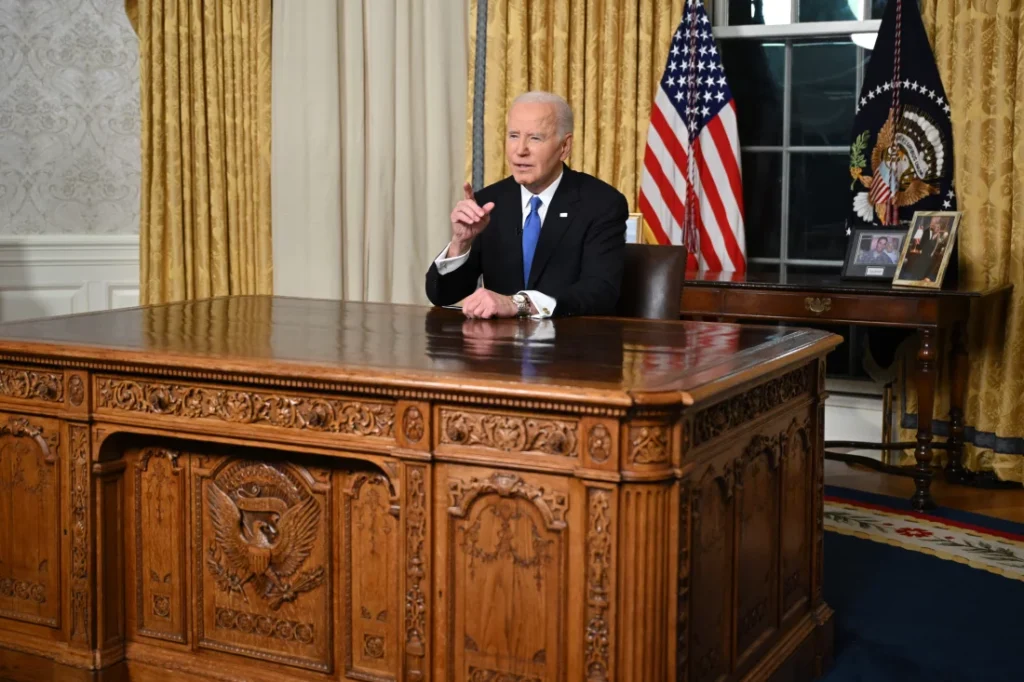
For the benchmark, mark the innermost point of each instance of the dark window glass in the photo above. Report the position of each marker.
(824, 93)
(764, 268)
(877, 8)
(762, 202)
(831, 10)
(756, 73)
(819, 203)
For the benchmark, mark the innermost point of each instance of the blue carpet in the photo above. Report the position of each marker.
(906, 616)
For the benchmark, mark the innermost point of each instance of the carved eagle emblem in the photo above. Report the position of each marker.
(264, 541)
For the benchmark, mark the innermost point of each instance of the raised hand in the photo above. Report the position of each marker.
(468, 220)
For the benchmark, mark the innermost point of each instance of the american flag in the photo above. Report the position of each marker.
(691, 191)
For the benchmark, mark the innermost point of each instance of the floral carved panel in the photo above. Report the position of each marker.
(30, 480)
(306, 413)
(510, 433)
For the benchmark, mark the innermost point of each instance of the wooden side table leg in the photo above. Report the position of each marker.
(922, 498)
(958, 389)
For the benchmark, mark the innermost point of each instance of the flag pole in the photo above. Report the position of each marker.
(691, 235)
(895, 113)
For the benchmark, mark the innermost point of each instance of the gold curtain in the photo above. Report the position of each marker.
(604, 56)
(979, 49)
(205, 78)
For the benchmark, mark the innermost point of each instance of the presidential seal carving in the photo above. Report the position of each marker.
(265, 524)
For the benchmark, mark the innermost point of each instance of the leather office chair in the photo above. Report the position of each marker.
(652, 281)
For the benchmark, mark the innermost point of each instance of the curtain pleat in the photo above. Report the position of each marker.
(205, 78)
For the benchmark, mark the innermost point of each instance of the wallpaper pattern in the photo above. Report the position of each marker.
(69, 118)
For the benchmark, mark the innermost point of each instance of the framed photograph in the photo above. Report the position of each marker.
(927, 248)
(873, 253)
(634, 229)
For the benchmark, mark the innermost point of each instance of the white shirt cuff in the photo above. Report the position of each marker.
(544, 304)
(446, 265)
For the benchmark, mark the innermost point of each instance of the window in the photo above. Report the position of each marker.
(796, 68)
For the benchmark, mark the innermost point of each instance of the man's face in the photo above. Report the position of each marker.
(534, 149)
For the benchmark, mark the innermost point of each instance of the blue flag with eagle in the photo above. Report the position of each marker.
(901, 158)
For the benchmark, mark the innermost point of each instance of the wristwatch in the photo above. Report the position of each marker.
(522, 303)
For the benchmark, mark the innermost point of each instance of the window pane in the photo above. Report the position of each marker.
(877, 8)
(746, 12)
(766, 269)
(756, 72)
(819, 202)
(824, 93)
(762, 203)
(831, 10)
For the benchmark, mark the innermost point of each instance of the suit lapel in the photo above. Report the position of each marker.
(559, 217)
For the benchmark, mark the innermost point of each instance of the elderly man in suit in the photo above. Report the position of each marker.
(548, 240)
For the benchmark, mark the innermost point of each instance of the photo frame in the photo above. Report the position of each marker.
(929, 243)
(873, 253)
(635, 229)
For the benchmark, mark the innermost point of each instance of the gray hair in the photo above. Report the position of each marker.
(563, 112)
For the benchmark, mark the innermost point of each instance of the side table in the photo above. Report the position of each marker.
(815, 298)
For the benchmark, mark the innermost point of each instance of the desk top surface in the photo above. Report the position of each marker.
(610, 359)
(831, 283)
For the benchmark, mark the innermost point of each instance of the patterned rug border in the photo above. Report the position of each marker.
(964, 543)
(987, 524)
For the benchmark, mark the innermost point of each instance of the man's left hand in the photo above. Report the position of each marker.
(486, 304)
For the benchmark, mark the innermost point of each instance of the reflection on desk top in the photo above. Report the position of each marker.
(830, 283)
(605, 359)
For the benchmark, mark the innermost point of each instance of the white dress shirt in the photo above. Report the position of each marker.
(544, 304)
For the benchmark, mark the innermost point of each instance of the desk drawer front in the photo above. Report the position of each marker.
(807, 305)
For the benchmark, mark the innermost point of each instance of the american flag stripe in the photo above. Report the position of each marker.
(723, 239)
(714, 244)
(670, 188)
(727, 152)
(657, 161)
(693, 138)
(669, 158)
(652, 221)
(718, 247)
(718, 168)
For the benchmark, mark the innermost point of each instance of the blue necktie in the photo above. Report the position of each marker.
(531, 233)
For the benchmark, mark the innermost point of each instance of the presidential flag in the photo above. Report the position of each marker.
(691, 190)
(901, 157)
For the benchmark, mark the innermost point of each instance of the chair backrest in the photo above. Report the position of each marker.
(652, 281)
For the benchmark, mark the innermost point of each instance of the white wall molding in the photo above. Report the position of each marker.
(853, 411)
(43, 275)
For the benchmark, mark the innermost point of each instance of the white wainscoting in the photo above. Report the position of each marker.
(49, 275)
(853, 411)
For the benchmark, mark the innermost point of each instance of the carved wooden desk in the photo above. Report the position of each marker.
(280, 489)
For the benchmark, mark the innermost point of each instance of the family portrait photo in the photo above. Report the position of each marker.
(927, 249)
